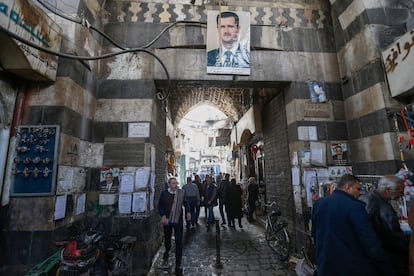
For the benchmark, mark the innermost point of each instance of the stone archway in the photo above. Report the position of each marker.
(231, 101)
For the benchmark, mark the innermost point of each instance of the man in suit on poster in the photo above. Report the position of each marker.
(231, 53)
(110, 184)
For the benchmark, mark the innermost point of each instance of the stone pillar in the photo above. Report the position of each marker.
(362, 29)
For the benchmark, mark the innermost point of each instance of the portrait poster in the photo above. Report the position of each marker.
(109, 180)
(339, 153)
(317, 92)
(228, 42)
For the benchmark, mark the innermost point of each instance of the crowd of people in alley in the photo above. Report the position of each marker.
(354, 234)
(232, 199)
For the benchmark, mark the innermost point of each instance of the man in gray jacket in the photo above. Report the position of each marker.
(192, 196)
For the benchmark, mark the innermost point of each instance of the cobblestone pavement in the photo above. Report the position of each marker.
(243, 251)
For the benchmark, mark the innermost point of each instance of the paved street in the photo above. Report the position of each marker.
(243, 252)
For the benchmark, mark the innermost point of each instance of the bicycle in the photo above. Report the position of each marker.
(276, 234)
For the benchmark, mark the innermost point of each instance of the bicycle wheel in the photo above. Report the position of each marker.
(268, 232)
(280, 242)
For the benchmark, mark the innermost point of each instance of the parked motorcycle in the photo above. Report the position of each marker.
(94, 253)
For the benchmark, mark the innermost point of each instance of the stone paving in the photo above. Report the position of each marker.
(243, 251)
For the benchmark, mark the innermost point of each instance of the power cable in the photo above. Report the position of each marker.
(160, 96)
(82, 22)
(85, 23)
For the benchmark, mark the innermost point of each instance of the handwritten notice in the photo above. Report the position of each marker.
(60, 207)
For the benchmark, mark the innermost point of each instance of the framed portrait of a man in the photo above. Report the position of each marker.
(228, 42)
(339, 154)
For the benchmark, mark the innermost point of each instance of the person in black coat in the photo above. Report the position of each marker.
(385, 221)
(234, 203)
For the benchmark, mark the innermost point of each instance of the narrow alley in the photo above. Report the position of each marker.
(243, 251)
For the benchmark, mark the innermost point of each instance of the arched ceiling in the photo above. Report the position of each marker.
(233, 102)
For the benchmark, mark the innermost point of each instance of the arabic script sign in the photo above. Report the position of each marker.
(399, 63)
(29, 22)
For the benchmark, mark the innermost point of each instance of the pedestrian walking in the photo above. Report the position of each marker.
(192, 196)
(252, 196)
(222, 193)
(170, 208)
(234, 203)
(201, 190)
(210, 200)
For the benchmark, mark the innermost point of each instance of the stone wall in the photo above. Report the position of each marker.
(361, 32)
(277, 160)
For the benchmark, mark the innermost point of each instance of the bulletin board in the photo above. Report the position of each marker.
(35, 160)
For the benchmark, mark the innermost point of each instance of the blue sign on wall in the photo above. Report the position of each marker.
(35, 160)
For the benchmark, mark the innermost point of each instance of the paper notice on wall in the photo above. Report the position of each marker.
(318, 153)
(139, 202)
(80, 204)
(60, 207)
(107, 199)
(65, 179)
(127, 183)
(297, 198)
(141, 177)
(125, 203)
(295, 176)
(307, 133)
(309, 178)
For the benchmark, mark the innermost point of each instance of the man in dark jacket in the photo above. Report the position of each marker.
(210, 200)
(170, 208)
(222, 194)
(384, 219)
(345, 242)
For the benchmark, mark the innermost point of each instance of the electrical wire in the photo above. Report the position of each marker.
(160, 96)
(85, 23)
(82, 22)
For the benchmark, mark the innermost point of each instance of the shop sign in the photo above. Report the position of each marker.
(399, 63)
(29, 22)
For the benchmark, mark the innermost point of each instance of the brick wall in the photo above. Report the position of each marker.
(277, 161)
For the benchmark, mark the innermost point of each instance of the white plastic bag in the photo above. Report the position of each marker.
(303, 269)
